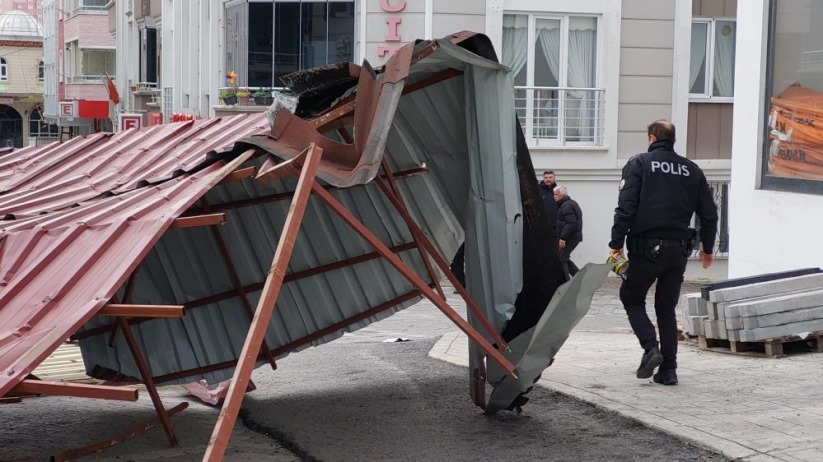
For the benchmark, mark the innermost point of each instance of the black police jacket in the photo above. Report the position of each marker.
(659, 192)
(547, 193)
(569, 219)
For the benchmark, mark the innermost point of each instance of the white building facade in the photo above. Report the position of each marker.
(588, 75)
(777, 191)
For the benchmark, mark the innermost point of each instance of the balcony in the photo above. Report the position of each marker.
(86, 87)
(720, 193)
(561, 116)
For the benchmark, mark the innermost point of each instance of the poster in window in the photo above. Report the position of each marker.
(794, 121)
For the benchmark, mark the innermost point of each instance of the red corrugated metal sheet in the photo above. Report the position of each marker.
(78, 217)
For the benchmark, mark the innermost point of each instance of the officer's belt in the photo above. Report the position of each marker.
(666, 242)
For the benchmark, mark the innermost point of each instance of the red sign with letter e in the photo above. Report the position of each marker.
(129, 121)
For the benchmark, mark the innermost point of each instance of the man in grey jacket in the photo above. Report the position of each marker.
(569, 228)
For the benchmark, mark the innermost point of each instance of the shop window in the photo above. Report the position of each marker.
(555, 61)
(267, 40)
(711, 69)
(4, 70)
(793, 141)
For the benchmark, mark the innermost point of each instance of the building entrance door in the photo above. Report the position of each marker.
(11, 127)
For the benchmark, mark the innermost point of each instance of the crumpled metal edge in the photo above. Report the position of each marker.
(534, 350)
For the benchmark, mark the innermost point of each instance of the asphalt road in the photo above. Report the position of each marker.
(356, 398)
(361, 399)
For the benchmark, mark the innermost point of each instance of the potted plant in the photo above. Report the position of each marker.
(229, 96)
(269, 99)
(243, 96)
(260, 97)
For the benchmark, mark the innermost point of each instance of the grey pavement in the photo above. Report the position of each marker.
(747, 408)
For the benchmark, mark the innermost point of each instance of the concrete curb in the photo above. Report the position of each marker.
(443, 351)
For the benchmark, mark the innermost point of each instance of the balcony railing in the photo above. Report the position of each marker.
(720, 192)
(84, 79)
(561, 116)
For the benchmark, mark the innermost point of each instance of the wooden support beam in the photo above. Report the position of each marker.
(238, 175)
(78, 390)
(143, 311)
(199, 220)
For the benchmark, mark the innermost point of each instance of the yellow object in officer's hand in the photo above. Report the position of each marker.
(619, 264)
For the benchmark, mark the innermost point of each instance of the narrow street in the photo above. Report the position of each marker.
(358, 398)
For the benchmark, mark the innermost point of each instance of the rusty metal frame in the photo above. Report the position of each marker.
(148, 380)
(296, 343)
(412, 277)
(254, 287)
(73, 454)
(235, 279)
(262, 316)
(392, 193)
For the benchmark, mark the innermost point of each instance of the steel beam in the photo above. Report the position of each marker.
(262, 316)
(412, 277)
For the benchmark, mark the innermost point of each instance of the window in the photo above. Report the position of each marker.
(40, 72)
(711, 69)
(271, 39)
(555, 63)
(39, 128)
(98, 62)
(90, 5)
(793, 125)
(148, 55)
(4, 70)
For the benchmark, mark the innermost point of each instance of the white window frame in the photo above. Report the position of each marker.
(4, 70)
(708, 96)
(564, 18)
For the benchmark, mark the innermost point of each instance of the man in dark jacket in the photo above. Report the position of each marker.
(569, 228)
(547, 193)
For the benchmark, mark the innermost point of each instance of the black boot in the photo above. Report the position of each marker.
(666, 377)
(651, 359)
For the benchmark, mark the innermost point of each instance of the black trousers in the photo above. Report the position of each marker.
(566, 253)
(644, 269)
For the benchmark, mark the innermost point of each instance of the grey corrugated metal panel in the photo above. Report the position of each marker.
(215, 333)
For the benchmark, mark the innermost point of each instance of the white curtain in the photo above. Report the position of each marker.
(724, 58)
(548, 40)
(698, 56)
(515, 42)
(582, 73)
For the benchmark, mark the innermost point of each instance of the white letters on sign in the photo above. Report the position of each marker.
(670, 168)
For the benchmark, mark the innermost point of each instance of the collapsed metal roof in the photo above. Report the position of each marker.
(423, 155)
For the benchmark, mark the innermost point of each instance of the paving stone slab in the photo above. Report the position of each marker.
(778, 304)
(786, 317)
(809, 282)
(766, 333)
(706, 289)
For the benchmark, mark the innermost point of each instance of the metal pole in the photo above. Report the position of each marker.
(262, 316)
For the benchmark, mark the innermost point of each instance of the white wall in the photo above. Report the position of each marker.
(770, 231)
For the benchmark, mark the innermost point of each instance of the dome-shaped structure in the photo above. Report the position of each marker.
(19, 25)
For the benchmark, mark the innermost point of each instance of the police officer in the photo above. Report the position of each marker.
(659, 192)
